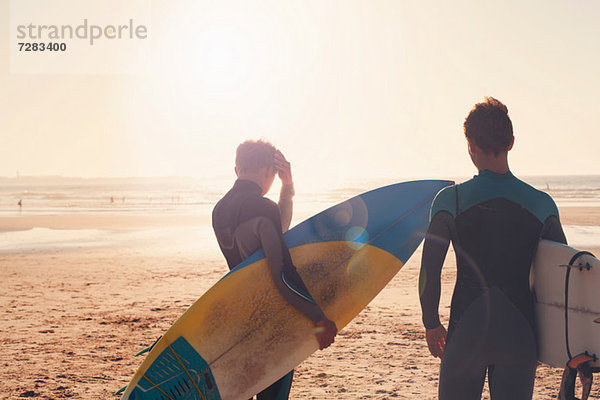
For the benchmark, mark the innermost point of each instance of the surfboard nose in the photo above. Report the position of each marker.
(393, 218)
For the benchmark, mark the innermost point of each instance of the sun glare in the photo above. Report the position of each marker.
(223, 57)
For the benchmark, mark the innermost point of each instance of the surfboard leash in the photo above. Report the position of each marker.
(570, 266)
(580, 364)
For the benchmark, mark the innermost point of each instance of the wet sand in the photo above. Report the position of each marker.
(87, 221)
(71, 320)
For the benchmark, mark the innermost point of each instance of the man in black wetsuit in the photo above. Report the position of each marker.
(245, 221)
(495, 222)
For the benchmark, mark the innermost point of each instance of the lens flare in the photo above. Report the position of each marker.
(357, 237)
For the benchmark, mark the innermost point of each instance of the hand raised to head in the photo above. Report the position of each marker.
(284, 168)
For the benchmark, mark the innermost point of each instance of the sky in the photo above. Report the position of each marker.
(346, 89)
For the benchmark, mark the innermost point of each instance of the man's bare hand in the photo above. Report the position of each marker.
(436, 340)
(325, 331)
(284, 168)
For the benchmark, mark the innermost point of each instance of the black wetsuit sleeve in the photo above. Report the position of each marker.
(435, 248)
(270, 242)
(552, 230)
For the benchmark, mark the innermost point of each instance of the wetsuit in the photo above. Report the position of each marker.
(244, 222)
(495, 222)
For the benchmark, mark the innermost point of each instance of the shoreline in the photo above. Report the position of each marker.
(570, 215)
(583, 216)
(101, 221)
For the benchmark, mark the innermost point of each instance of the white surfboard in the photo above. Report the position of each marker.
(551, 277)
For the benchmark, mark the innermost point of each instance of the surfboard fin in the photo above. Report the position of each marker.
(578, 365)
(580, 359)
(147, 349)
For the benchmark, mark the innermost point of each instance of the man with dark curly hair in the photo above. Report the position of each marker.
(494, 222)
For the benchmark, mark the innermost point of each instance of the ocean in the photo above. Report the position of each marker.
(43, 196)
(51, 196)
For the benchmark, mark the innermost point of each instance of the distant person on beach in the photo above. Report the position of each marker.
(494, 222)
(245, 221)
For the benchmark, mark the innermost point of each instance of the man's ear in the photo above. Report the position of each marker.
(470, 146)
(236, 171)
(512, 143)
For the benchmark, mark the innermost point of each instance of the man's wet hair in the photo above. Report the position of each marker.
(252, 155)
(489, 127)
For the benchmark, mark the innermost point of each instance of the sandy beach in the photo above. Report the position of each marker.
(72, 319)
(124, 123)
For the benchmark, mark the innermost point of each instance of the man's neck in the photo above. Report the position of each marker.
(498, 164)
(252, 178)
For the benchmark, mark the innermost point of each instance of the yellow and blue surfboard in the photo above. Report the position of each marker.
(242, 335)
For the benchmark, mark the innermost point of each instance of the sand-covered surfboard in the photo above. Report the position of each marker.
(242, 335)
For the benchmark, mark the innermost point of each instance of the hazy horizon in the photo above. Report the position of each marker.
(233, 177)
(348, 90)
